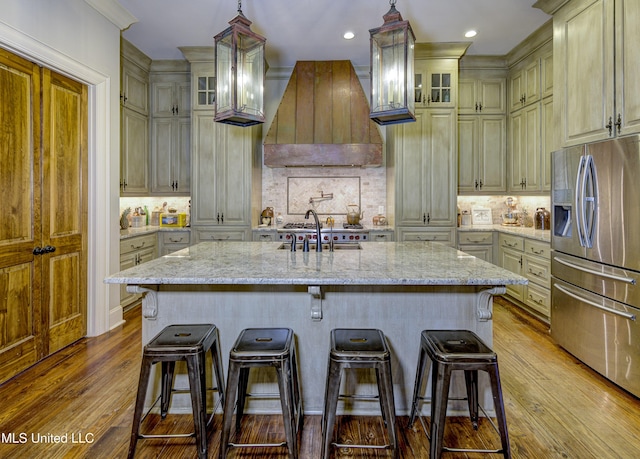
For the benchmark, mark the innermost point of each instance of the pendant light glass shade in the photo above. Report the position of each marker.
(392, 74)
(240, 69)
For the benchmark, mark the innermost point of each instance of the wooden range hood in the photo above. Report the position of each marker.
(323, 120)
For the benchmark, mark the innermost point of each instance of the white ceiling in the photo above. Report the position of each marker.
(312, 29)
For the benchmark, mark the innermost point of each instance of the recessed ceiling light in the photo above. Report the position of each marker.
(470, 34)
(348, 35)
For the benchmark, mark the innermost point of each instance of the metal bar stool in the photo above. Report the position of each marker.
(180, 342)
(450, 350)
(358, 348)
(263, 347)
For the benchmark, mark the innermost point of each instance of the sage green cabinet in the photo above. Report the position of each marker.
(481, 96)
(596, 69)
(482, 151)
(425, 163)
(531, 124)
(170, 128)
(225, 182)
(134, 121)
(436, 82)
(133, 252)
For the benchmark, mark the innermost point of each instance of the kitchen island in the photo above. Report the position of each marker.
(400, 288)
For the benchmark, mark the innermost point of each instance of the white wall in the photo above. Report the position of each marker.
(73, 38)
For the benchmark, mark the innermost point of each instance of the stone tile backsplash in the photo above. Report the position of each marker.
(498, 206)
(289, 191)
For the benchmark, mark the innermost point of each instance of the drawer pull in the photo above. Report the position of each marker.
(477, 241)
(539, 252)
(137, 246)
(539, 301)
(537, 274)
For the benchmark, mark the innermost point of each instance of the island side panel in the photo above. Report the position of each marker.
(401, 312)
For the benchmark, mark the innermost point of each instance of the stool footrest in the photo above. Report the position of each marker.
(360, 397)
(351, 445)
(257, 445)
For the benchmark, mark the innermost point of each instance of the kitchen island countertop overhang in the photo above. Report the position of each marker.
(380, 263)
(401, 288)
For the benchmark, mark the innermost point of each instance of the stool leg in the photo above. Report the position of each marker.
(243, 383)
(145, 370)
(385, 390)
(296, 389)
(440, 395)
(422, 371)
(332, 391)
(166, 386)
(498, 403)
(229, 402)
(471, 380)
(283, 372)
(216, 358)
(197, 383)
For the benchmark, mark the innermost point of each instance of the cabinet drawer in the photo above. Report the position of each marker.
(475, 237)
(539, 298)
(175, 237)
(205, 235)
(428, 236)
(381, 237)
(537, 248)
(511, 242)
(134, 244)
(537, 270)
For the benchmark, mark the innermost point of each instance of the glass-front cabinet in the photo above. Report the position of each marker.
(436, 83)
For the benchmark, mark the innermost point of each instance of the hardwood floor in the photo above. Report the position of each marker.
(556, 407)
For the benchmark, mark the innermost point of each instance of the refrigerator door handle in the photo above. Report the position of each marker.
(580, 203)
(589, 200)
(626, 280)
(626, 315)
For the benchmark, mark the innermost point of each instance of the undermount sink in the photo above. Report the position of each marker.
(325, 247)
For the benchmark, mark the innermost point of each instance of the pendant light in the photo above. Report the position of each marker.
(392, 74)
(240, 68)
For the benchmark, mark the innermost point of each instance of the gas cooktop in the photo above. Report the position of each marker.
(302, 225)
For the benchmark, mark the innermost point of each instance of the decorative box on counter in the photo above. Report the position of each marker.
(173, 220)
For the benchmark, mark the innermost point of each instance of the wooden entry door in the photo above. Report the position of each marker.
(43, 177)
(64, 210)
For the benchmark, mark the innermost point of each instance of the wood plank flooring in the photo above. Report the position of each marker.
(556, 407)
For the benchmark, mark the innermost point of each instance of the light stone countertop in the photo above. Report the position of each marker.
(531, 233)
(377, 263)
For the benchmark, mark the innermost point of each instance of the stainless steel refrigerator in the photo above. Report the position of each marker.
(595, 262)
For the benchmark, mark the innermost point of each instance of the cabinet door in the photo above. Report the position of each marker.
(436, 83)
(134, 166)
(583, 52)
(135, 88)
(548, 143)
(221, 172)
(467, 153)
(628, 66)
(170, 156)
(492, 153)
(203, 169)
(412, 177)
(427, 168)
(441, 167)
(524, 153)
(234, 171)
(163, 101)
(481, 96)
(511, 260)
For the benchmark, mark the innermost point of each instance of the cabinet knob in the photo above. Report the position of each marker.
(609, 126)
